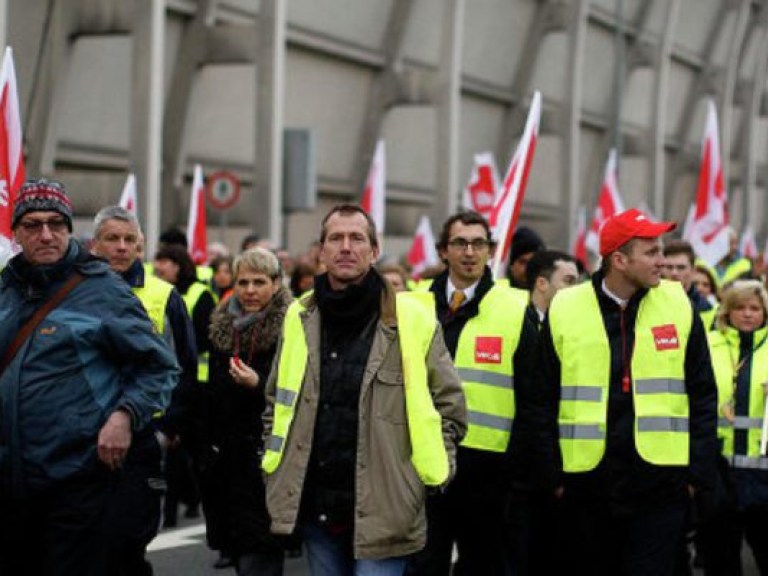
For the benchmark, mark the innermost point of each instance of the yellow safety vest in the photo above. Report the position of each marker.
(154, 297)
(724, 348)
(416, 327)
(662, 330)
(484, 355)
(708, 318)
(734, 270)
(195, 290)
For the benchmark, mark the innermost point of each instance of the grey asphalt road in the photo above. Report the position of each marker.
(182, 551)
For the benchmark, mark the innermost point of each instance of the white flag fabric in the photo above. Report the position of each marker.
(506, 209)
(748, 243)
(373, 201)
(482, 188)
(11, 154)
(128, 199)
(709, 226)
(422, 254)
(609, 202)
(197, 236)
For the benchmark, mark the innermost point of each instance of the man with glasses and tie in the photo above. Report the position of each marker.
(81, 372)
(492, 344)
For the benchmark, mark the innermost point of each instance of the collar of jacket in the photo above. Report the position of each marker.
(387, 315)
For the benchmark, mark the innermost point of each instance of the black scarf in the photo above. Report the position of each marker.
(352, 307)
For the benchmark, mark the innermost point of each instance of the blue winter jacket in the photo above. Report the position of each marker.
(94, 353)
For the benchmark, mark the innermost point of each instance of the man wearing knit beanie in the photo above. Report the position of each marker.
(81, 371)
(525, 243)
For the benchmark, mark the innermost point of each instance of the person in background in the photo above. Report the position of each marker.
(221, 280)
(733, 265)
(244, 331)
(302, 279)
(740, 362)
(174, 265)
(525, 242)
(548, 272)
(679, 261)
(705, 283)
(82, 374)
(353, 434)
(395, 275)
(133, 517)
(249, 241)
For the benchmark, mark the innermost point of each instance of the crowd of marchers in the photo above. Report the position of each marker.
(604, 423)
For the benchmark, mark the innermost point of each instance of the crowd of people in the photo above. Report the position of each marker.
(610, 423)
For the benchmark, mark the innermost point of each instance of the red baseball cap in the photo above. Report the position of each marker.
(621, 228)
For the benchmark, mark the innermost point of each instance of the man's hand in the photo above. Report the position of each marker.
(115, 439)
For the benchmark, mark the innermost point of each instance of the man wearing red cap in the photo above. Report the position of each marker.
(632, 400)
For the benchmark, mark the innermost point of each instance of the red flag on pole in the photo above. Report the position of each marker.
(579, 246)
(11, 153)
(506, 209)
(609, 203)
(128, 197)
(709, 227)
(422, 254)
(480, 193)
(375, 189)
(197, 237)
(748, 243)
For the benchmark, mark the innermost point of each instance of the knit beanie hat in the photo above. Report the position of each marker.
(524, 241)
(42, 196)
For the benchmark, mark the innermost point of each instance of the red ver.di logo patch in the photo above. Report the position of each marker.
(665, 337)
(488, 349)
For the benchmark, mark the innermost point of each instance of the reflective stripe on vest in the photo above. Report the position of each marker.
(154, 297)
(724, 347)
(484, 355)
(416, 327)
(194, 292)
(748, 462)
(658, 360)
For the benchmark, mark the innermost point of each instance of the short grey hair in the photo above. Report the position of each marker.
(258, 259)
(113, 213)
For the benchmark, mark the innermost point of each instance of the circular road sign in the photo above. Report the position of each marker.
(223, 190)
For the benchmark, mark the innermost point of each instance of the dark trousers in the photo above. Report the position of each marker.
(57, 533)
(600, 543)
(133, 514)
(535, 532)
(720, 540)
(474, 520)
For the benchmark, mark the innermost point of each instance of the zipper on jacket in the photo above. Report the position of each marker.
(625, 362)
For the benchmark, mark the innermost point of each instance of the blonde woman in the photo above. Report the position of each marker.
(740, 362)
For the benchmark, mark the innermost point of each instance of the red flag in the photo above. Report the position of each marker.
(480, 193)
(375, 189)
(579, 246)
(609, 203)
(11, 152)
(128, 197)
(748, 243)
(422, 253)
(197, 237)
(709, 228)
(506, 209)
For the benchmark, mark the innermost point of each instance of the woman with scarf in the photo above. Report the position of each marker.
(740, 361)
(244, 331)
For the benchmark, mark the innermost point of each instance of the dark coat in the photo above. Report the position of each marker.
(233, 488)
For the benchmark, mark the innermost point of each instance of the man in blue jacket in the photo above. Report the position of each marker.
(72, 393)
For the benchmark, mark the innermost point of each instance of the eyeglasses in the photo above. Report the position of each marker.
(462, 244)
(55, 226)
